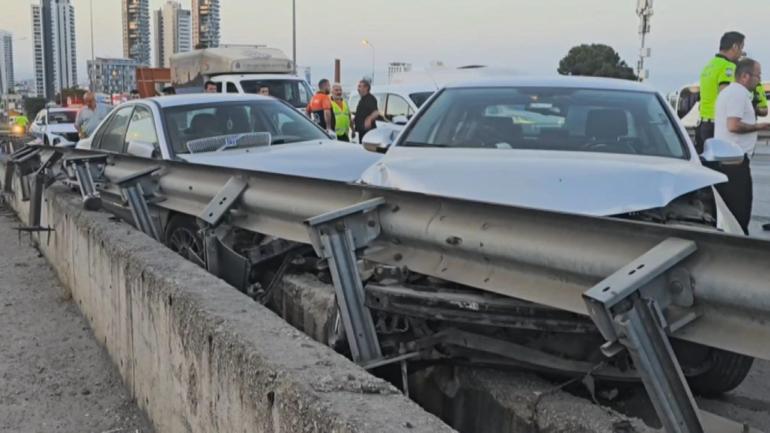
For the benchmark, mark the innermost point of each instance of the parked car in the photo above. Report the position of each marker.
(239, 131)
(596, 147)
(401, 101)
(55, 127)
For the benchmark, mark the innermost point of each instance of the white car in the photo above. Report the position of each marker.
(597, 147)
(238, 131)
(397, 103)
(55, 127)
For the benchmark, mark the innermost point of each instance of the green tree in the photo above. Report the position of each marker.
(595, 60)
(33, 105)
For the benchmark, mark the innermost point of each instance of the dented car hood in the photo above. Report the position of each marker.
(588, 183)
(325, 159)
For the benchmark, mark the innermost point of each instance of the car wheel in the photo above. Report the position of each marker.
(182, 236)
(727, 370)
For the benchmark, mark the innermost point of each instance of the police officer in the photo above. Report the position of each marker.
(717, 75)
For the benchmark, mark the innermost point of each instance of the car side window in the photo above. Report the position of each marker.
(231, 88)
(397, 106)
(113, 137)
(142, 127)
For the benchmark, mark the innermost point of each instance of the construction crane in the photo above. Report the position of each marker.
(644, 12)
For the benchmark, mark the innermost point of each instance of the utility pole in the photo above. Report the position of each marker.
(644, 12)
(294, 34)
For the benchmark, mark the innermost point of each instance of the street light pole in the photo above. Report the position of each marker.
(93, 59)
(294, 34)
(369, 44)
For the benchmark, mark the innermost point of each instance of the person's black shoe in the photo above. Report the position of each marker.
(766, 227)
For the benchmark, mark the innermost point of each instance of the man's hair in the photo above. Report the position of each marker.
(209, 83)
(366, 84)
(729, 39)
(134, 91)
(745, 66)
(170, 90)
(323, 82)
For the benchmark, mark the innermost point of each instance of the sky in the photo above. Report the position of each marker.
(526, 35)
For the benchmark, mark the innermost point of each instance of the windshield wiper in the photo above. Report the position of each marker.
(417, 144)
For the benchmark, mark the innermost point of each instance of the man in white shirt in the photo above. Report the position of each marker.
(735, 121)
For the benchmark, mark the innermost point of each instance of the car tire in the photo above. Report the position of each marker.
(726, 372)
(182, 235)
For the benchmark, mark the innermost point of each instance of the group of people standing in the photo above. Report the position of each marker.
(329, 109)
(732, 97)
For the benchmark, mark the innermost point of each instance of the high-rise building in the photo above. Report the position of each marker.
(136, 30)
(173, 27)
(6, 63)
(53, 34)
(205, 23)
(112, 76)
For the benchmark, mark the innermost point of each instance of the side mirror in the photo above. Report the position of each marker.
(718, 150)
(400, 120)
(378, 140)
(141, 149)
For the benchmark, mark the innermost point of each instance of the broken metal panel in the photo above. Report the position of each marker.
(337, 235)
(223, 201)
(629, 308)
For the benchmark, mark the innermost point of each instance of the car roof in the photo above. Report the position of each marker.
(405, 88)
(226, 77)
(203, 98)
(597, 83)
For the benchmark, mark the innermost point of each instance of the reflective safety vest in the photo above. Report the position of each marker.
(720, 70)
(341, 118)
(760, 98)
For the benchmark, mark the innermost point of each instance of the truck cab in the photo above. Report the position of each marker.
(289, 88)
(240, 69)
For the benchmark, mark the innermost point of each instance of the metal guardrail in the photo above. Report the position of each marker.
(694, 284)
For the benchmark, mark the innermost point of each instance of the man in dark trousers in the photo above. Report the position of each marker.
(367, 111)
(735, 121)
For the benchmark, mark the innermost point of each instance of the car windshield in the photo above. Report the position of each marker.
(295, 92)
(236, 124)
(566, 119)
(419, 98)
(57, 117)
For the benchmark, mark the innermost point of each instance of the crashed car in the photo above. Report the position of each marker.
(595, 147)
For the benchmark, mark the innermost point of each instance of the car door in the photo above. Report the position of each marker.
(397, 106)
(111, 137)
(142, 133)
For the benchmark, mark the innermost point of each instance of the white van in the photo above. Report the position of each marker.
(240, 69)
(397, 100)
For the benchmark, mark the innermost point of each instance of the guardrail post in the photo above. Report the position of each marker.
(84, 174)
(131, 187)
(628, 307)
(41, 180)
(336, 236)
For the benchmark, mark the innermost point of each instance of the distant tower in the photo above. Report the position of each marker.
(173, 35)
(53, 34)
(205, 23)
(136, 31)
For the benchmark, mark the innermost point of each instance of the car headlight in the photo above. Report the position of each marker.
(17, 130)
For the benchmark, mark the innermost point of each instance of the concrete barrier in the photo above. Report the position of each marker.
(198, 355)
